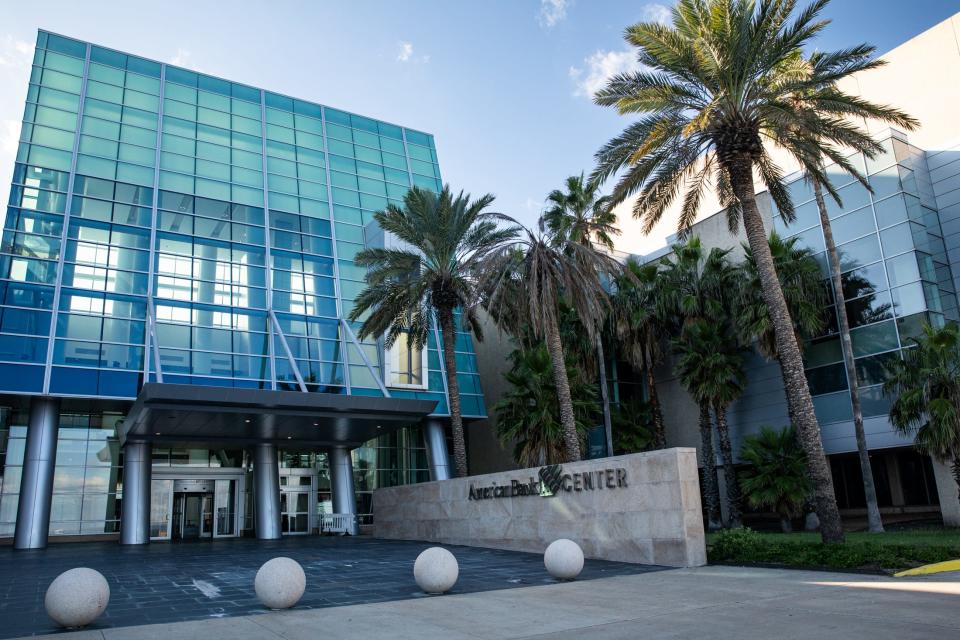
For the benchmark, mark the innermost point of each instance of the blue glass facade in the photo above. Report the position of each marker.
(165, 223)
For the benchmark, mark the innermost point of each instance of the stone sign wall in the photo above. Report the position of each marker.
(643, 508)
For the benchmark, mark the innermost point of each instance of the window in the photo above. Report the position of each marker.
(408, 365)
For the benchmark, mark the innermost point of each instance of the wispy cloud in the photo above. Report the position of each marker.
(406, 51)
(15, 52)
(552, 12)
(184, 58)
(598, 67)
(406, 54)
(656, 12)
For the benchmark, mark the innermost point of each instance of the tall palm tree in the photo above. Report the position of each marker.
(715, 90)
(528, 278)
(816, 175)
(582, 216)
(446, 238)
(637, 317)
(528, 416)
(697, 287)
(926, 384)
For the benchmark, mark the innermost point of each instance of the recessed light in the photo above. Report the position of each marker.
(157, 433)
(316, 424)
(379, 427)
(289, 437)
(247, 420)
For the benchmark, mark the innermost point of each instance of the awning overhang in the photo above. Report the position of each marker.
(179, 414)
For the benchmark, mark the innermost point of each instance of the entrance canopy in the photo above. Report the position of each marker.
(202, 415)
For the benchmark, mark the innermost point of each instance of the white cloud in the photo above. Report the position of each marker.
(599, 67)
(184, 58)
(9, 137)
(15, 52)
(552, 12)
(405, 54)
(656, 12)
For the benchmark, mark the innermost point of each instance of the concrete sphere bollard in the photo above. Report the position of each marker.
(280, 583)
(563, 559)
(436, 570)
(77, 597)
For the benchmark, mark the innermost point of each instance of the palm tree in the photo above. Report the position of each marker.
(801, 281)
(528, 278)
(633, 420)
(715, 89)
(447, 237)
(637, 317)
(580, 215)
(710, 366)
(926, 384)
(815, 174)
(697, 287)
(528, 416)
(776, 478)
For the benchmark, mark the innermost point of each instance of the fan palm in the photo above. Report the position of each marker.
(637, 317)
(697, 287)
(715, 90)
(580, 215)
(776, 478)
(527, 278)
(446, 237)
(926, 384)
(528, 416)
(801, 281)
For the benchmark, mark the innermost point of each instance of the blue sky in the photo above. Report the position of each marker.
(503, 85)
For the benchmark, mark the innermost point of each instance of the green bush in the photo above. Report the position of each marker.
(745, 546)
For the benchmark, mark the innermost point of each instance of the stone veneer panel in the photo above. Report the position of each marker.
(654, 519)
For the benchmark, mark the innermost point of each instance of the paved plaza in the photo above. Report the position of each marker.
(164, 582)
(707, 602)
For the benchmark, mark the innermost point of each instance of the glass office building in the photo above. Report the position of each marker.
(174, 231)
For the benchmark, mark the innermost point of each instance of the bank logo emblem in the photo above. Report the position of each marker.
(551, 479)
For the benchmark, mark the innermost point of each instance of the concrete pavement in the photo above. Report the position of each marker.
(705, 602)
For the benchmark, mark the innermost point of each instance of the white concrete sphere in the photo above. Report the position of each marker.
(436, 570)
(280, 583)
(563, 559)
(77, 597)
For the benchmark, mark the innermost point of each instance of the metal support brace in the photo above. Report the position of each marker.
(286, 350)
(152, 336)
(366, 360)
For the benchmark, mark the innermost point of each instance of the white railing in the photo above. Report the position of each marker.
(339, 523)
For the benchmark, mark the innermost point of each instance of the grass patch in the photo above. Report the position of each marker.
(891, 551)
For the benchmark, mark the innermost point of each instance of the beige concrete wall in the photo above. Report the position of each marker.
(654, 517)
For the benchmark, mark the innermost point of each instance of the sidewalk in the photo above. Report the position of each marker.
(707, 602)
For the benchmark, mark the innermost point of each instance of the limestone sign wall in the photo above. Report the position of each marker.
(643, 508)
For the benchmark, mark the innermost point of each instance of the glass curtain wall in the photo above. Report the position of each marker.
(895, 272)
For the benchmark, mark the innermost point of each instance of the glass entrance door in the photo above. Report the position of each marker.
(192, 516)
(295, 512)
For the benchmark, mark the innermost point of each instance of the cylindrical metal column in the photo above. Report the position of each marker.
(266, 491)
(341, 484)
(135, 508)
(36, 483)
(435, 439)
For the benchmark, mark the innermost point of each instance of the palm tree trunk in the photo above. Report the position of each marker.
(874, 522)
(659, 430)
(571, 439)
(711, 490)
(798, 392)
(730, 480)
(449, 335)
(956, 474)
(604, 395)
